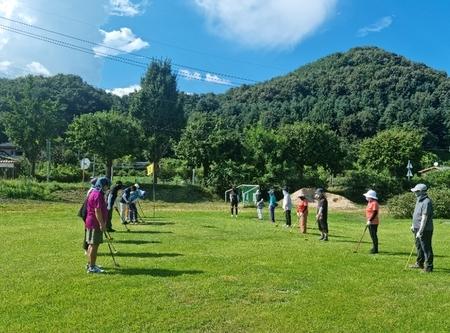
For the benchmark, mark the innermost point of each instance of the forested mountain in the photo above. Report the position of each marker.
(72, 95)
(358, 93)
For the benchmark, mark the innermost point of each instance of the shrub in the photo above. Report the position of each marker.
(437, 179)
(26, 189)
(356, 182)
(402, 206)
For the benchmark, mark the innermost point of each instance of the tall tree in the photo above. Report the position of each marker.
(29, 123)
(390, 151)
(156, 106)
(109, 135)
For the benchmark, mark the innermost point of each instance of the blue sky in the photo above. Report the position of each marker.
(213, 44)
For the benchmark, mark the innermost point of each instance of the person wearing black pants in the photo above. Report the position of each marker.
(112, 196)
(287, 206)
(372, 213)
(422, 227)
(322, 214)
(234, 200)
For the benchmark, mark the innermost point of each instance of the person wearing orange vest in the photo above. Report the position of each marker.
(372, 215)
(302, 212)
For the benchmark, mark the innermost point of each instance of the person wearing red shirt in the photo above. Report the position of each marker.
(372, 215)
(302, 213)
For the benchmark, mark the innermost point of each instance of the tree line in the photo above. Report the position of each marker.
(363, 110)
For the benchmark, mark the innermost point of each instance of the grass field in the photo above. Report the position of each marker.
(195, 269)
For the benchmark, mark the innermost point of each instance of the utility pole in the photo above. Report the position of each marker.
(49, 153)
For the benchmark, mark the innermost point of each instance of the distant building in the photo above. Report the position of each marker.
(9, 163)
(9, 149)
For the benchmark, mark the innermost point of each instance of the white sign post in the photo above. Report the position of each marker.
(84, 164)
(409, 173)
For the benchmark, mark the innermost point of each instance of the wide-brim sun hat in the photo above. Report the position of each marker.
(419, 187)
(371, 194)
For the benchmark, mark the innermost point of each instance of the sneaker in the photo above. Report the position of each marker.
(416, 266)
(124, 222)
(321, 238)
(99, 266)
(95, 269)
(373, 251)
(325, 239)
(111, 230)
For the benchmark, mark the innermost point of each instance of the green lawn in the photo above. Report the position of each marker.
(195, 269)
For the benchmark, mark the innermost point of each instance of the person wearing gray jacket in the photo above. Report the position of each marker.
(422, 227)
(287, 206)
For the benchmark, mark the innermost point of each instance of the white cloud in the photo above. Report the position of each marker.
(216, 79)
(3, 42)
(188, 75)
(7, 7)
(125, 8)
(5, 66)
(381, 24)
(124, 91)
(266, 23)
(37, 68)
(23, 50)
(121, 41)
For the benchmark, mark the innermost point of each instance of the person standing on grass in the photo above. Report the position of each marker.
(85, 244)
(259, 204)
(112, 196)
(97, 215)
(272, 204)
(234, 201)
(124, 201)
(287, 206)
(322, 213)
(372, 215)
(302, 213)
(422, 227)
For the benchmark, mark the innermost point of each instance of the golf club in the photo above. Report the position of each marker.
(111, 252)
(124, 223)
(359, 243)
(410, 255)
(142, 216)
(109, 239)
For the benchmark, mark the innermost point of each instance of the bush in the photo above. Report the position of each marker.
(356, 182)
(402, 206)
(66, 173)
(437, 179)
(26, 189)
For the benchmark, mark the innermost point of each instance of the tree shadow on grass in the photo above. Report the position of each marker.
(402, 253)
(141, 254)
(144, 232)
(441, 270)
(352, 241)
(209, 226)
(137, 241)
(155, 223)
(154, 272)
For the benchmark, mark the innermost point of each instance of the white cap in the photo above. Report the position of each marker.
(371, 194)
(419, 187)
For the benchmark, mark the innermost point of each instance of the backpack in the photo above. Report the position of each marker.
(82, 212)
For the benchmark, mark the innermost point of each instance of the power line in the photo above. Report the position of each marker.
(130, 53)
(124, 60)
(155, 41)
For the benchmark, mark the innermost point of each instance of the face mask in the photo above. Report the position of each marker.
(418, 194)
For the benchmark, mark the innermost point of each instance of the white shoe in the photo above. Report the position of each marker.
(95, 269)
